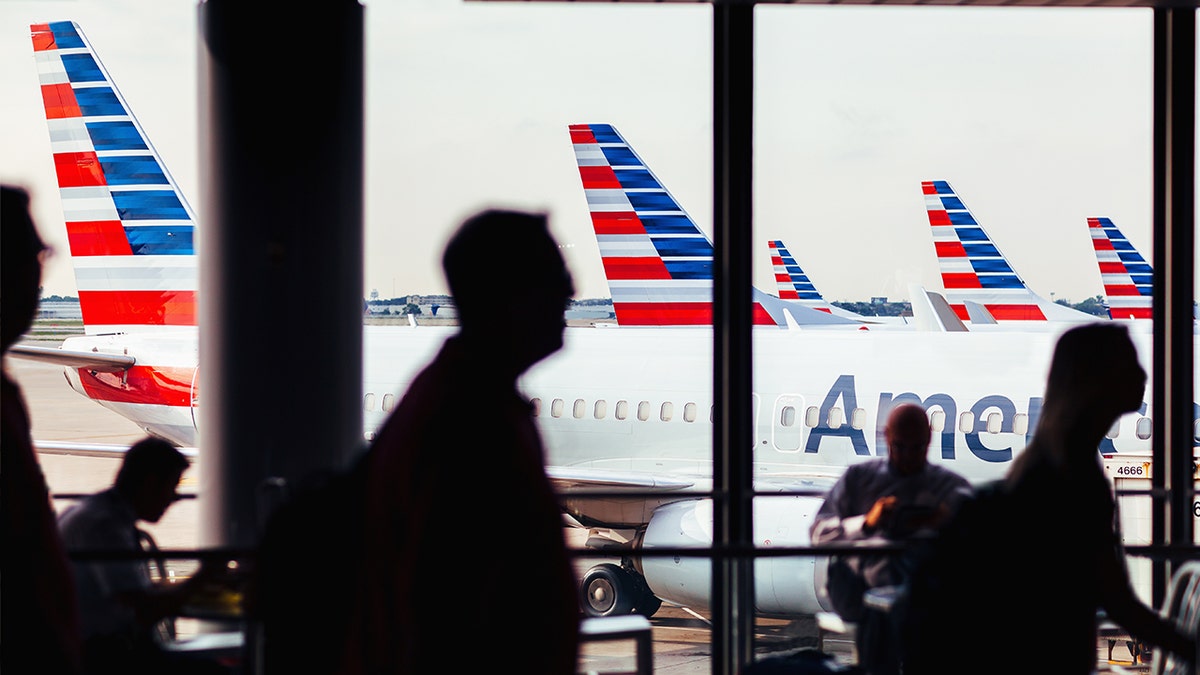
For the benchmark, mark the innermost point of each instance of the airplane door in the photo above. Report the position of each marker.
(787, 423)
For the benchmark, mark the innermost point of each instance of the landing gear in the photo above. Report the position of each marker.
(612, 590)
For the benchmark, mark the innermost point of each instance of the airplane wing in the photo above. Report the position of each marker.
(95, 361)
(609, 510)
(92, 449)
(931, 312)
(566, 478)
(978, 313)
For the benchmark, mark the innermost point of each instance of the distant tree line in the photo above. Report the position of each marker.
(1093, 306)
(876, 308)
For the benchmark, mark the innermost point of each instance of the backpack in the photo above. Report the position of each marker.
(301, 590)
(944, 589)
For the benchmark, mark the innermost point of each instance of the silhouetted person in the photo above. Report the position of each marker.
(462, 520)
(896, 498)
(1036, 554)
(38, 620)
(120, 606)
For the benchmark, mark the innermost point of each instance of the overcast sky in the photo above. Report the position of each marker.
(1039, 118)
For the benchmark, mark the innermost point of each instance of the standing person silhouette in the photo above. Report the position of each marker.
(462, 441)
(1038, 551)
(38, 617)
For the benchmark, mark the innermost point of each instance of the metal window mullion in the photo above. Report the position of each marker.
(1174, 238)
(733, 89)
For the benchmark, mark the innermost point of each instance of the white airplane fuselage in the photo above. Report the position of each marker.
(631, 407)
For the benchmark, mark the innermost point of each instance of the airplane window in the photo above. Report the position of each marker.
(369, 402)
(1114, 430)
(1021, 424)
(389, 400)
(579, 409)
(787, 416)
(712, 414)
(667, 411)
(643, 410)
(537, 406)
(937, 420)
(812, 416)
(966, 422)
(600, 410)
(993, 422)
(556, 407)
(1143, 428)
(689, 412)
(835, 417)
(858, 418)
(622, 410)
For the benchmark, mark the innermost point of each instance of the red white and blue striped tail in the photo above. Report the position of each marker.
(792, 283)
(1128, 279)
(659, 264)
(130, 230)
(973, 269)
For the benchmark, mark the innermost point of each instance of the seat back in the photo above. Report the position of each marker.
(1183, 608)
(165, 629)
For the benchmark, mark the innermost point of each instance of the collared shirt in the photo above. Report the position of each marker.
(104, 521)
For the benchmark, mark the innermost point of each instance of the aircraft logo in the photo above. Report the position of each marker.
(975, 272)
(1128, 279)
(129, 229)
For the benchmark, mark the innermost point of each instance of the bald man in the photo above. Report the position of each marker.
(891, 498)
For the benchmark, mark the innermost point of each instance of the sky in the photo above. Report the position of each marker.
(1038, 117)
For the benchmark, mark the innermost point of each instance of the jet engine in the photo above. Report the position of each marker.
(785, 586)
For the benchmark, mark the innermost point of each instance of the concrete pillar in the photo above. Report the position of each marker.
(280, 246)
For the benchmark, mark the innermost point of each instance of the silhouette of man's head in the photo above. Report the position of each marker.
(1095, 371)
(907, 433)
(510, 284)
(149, 475)
(21, 268)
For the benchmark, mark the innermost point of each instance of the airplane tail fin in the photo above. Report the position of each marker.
(129, 228)
(658, 263)
(792, 282)
(1128, 279)
(974, 269)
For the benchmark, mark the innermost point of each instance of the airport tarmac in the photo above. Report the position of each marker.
(57, 413)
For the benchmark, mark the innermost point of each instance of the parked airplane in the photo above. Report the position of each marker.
(625, 410)
(976, 274)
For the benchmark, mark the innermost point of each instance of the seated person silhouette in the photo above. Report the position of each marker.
(896, 498)
(119, 604)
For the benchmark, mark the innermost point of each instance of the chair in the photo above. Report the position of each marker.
(166, 627)
(1183, 608)
(624, 627)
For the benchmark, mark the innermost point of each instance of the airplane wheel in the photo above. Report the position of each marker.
(607, 590)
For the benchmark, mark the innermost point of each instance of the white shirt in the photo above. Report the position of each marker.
(104, 521)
